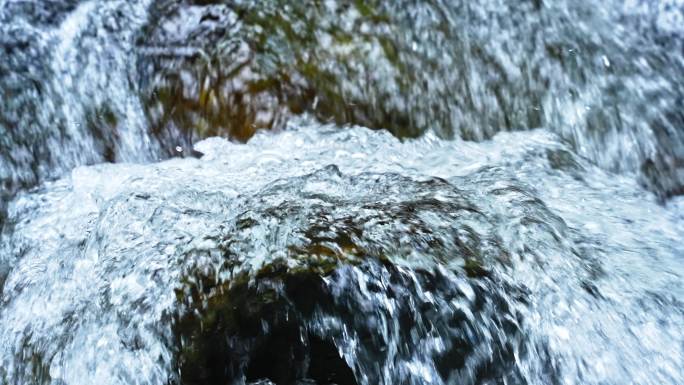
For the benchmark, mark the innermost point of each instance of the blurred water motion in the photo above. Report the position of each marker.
(407, 192)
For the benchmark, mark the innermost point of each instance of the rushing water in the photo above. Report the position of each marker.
(519, 221)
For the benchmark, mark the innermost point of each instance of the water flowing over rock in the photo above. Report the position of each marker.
(66, 86)
(420, 262)
(462, 69)
(135, 81)
(353, 193)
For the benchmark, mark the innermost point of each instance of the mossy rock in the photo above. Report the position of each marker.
(257, 326)
(257, 304)
(258, 64)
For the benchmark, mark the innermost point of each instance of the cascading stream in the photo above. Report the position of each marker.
(410, 192)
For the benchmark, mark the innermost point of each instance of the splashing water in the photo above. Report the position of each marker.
(565, 289)
(517, 223)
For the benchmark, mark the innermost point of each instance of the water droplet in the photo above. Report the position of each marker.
(606, 62)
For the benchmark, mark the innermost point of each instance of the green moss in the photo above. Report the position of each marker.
(474, 268)
(390, 50)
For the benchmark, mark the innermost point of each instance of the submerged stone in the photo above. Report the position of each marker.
(255, 330)
(331, 302)
(269, 327)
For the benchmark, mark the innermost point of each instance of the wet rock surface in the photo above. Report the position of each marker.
(270, 324)
(411, 67)
(267, 329)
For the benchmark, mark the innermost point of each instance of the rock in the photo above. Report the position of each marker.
(232, 68)
(254, 328)
(243, 320)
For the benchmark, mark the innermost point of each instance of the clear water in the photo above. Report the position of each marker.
(543, 253)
